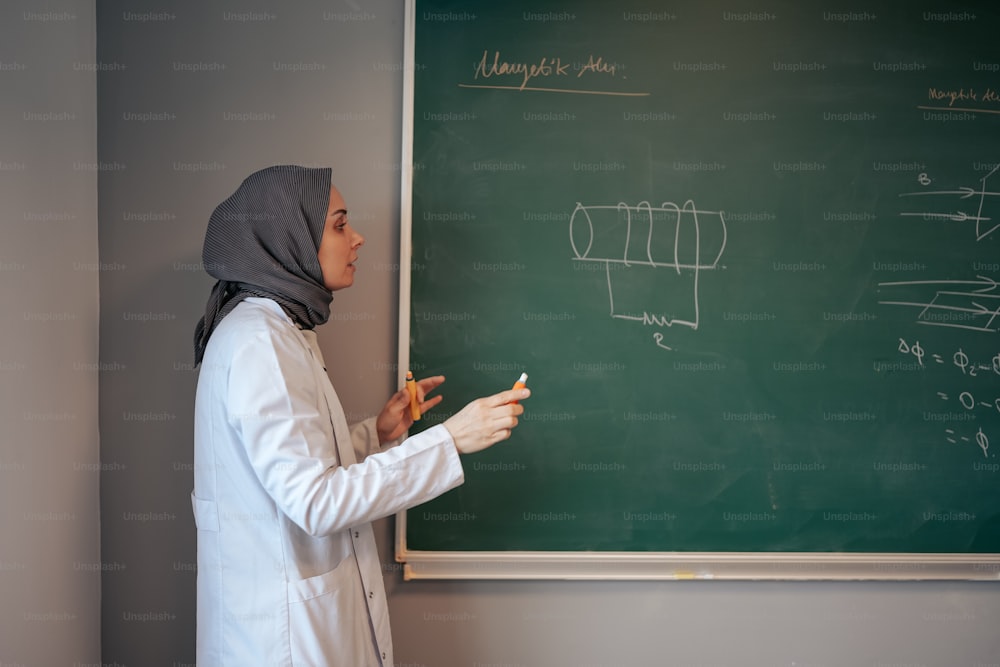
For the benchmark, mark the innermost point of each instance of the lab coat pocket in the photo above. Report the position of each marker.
(206, 513)
(328, 619)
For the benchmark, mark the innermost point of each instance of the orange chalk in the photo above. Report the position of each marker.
(521, 383)
(411, 386)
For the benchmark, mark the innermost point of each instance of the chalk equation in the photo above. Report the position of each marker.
(652, 258)
(972, 402)
(961, 360)
(961, 204)
(981, 439)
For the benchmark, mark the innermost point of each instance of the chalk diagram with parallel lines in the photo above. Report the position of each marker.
(971, 305)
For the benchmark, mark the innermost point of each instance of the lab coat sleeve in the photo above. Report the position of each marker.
(364, 436)
(274, 404)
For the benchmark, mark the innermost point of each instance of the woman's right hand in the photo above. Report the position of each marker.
(486, 421)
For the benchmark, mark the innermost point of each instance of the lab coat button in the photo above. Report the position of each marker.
(357, 534)
(371, 594)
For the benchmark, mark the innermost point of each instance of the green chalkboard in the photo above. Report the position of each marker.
(748, 259)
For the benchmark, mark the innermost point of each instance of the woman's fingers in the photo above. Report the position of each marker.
(486, 421)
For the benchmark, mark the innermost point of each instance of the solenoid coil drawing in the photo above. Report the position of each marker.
(652, 257)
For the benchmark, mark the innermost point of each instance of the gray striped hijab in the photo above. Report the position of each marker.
(263, 241)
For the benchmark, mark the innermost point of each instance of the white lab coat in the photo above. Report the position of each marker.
(288, 572)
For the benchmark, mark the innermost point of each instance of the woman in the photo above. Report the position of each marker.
(284, 489)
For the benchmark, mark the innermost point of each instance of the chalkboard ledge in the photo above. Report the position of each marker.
(619, 566)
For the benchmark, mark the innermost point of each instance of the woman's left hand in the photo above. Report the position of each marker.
(395, 419)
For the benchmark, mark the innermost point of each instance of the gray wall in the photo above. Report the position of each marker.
(50, 565)
(192, 97)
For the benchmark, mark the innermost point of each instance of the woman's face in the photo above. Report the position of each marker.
(338, 249)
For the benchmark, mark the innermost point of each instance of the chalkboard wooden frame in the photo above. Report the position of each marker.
(624, 566)
(618, 565)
